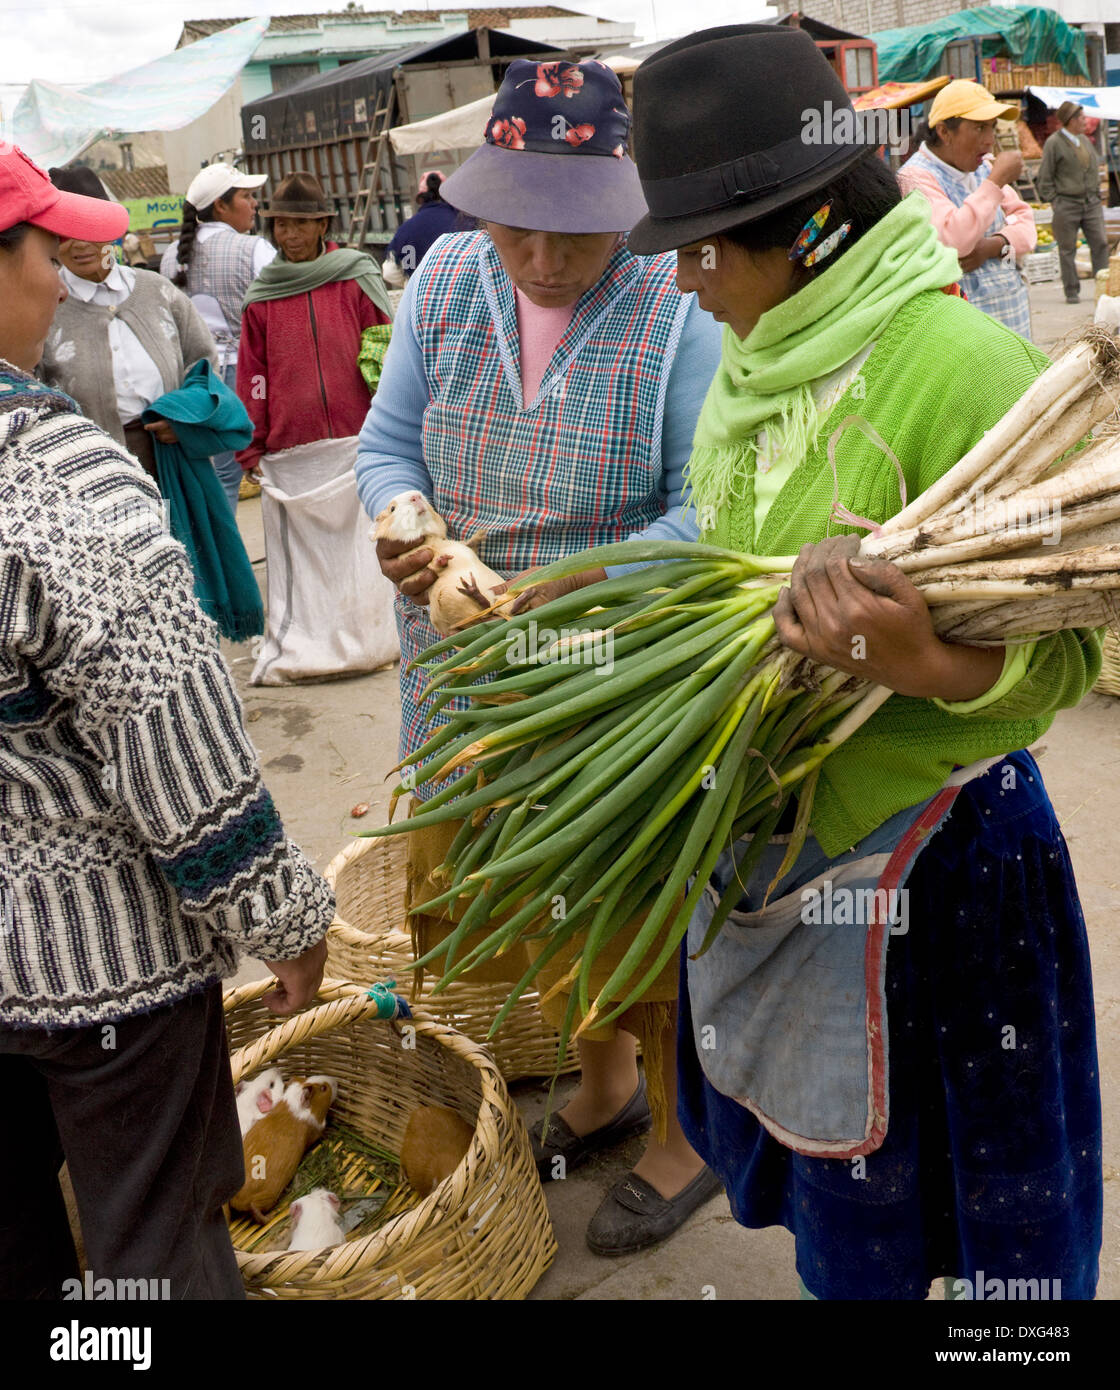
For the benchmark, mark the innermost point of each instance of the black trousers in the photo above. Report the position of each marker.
(143, 1112)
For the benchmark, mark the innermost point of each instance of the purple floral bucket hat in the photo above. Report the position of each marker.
(555, 154)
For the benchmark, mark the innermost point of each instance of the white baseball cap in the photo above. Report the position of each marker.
(216, 179)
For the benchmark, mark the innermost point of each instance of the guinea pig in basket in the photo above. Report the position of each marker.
(257, 1096)
(465, 588)
(277, 1141)
(315, 1221)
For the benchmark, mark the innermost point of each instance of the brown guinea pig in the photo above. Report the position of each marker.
(276, 1143)
(435, 1143)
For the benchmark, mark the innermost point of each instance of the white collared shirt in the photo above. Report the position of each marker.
(1073, 139)
(136, 377)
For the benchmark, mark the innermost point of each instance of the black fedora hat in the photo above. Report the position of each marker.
(731, 124)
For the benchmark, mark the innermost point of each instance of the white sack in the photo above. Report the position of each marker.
(330, 609)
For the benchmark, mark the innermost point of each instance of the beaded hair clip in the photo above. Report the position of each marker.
(805, 249)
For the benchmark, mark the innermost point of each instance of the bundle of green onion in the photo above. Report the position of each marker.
(664, 720)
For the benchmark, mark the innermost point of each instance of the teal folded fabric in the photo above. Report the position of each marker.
(209, 419)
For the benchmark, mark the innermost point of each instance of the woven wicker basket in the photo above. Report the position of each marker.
(369, 945)
(1108, 682)
(484, 1233)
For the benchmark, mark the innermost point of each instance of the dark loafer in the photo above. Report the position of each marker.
(560, 1142)
(634, 1215)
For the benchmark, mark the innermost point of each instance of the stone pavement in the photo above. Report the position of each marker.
(326, 747)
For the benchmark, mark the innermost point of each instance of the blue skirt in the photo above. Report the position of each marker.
(992, 1161)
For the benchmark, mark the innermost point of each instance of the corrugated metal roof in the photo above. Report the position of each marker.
(136, 183)
(476, 19)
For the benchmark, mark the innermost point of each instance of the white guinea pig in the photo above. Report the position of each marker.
(315, 1221)
(464, 588)
(257, 1097)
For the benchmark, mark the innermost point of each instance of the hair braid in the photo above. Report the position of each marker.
(192, 216)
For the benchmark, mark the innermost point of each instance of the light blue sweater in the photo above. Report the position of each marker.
(390, 452)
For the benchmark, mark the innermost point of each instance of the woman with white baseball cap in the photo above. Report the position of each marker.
(215, 260)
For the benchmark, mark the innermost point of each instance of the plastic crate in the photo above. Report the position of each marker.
(1040, 266)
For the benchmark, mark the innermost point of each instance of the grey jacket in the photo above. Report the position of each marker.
(1062, 174)
(77, 358)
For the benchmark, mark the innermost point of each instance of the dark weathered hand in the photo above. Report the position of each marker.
(297, 980)
(540, 594)
(162, 431)
(867, 618)
(410, 574)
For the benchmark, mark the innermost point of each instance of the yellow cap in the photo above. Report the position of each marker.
(972, 101)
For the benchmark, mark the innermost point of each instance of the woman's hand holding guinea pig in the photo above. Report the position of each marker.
(411, 574)
(298, 980)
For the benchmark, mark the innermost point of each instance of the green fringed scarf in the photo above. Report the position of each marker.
(763, 381)
(281, 277)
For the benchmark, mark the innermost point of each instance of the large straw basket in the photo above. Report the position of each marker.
(483, 1233)
(371, 943)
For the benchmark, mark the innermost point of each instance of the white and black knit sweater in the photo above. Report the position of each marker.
(139, 851)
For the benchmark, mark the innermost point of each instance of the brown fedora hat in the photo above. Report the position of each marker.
(299, 195)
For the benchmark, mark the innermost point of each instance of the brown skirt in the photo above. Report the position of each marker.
(139, 444)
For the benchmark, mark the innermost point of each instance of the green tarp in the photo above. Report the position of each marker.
(1027, 34)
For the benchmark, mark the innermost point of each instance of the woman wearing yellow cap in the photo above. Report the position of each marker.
(975, 208)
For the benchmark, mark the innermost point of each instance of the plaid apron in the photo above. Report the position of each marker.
(578, 466)
(996, 287)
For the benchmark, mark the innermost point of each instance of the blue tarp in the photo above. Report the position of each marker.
(55, 124)
(1027, 35)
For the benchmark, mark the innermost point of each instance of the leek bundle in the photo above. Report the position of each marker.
(594, 791)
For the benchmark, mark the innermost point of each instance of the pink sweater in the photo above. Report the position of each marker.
(961, 228)
(539, 330)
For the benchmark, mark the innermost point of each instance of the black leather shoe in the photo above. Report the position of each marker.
(634, 1214)
(560, 1141)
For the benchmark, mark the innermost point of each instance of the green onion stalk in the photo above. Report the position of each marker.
(662, 721)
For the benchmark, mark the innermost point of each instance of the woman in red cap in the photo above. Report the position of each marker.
(139, 851)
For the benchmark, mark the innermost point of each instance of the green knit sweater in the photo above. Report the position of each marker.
(940, 375)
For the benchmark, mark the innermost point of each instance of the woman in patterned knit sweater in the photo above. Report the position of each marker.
(921, 1101)
(140, 854)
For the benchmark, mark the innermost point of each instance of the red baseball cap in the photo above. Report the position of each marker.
(27, 195)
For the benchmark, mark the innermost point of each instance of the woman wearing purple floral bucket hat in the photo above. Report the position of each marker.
(542, 387)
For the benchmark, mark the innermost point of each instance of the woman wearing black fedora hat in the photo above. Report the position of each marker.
(541, 388)
(932, 1108)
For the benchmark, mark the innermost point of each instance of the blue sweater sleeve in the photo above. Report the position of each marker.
(390, 452)
(694, 366)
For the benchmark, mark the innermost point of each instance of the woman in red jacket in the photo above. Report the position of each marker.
(306, 318)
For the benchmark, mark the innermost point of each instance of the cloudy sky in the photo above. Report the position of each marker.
(78, 41)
